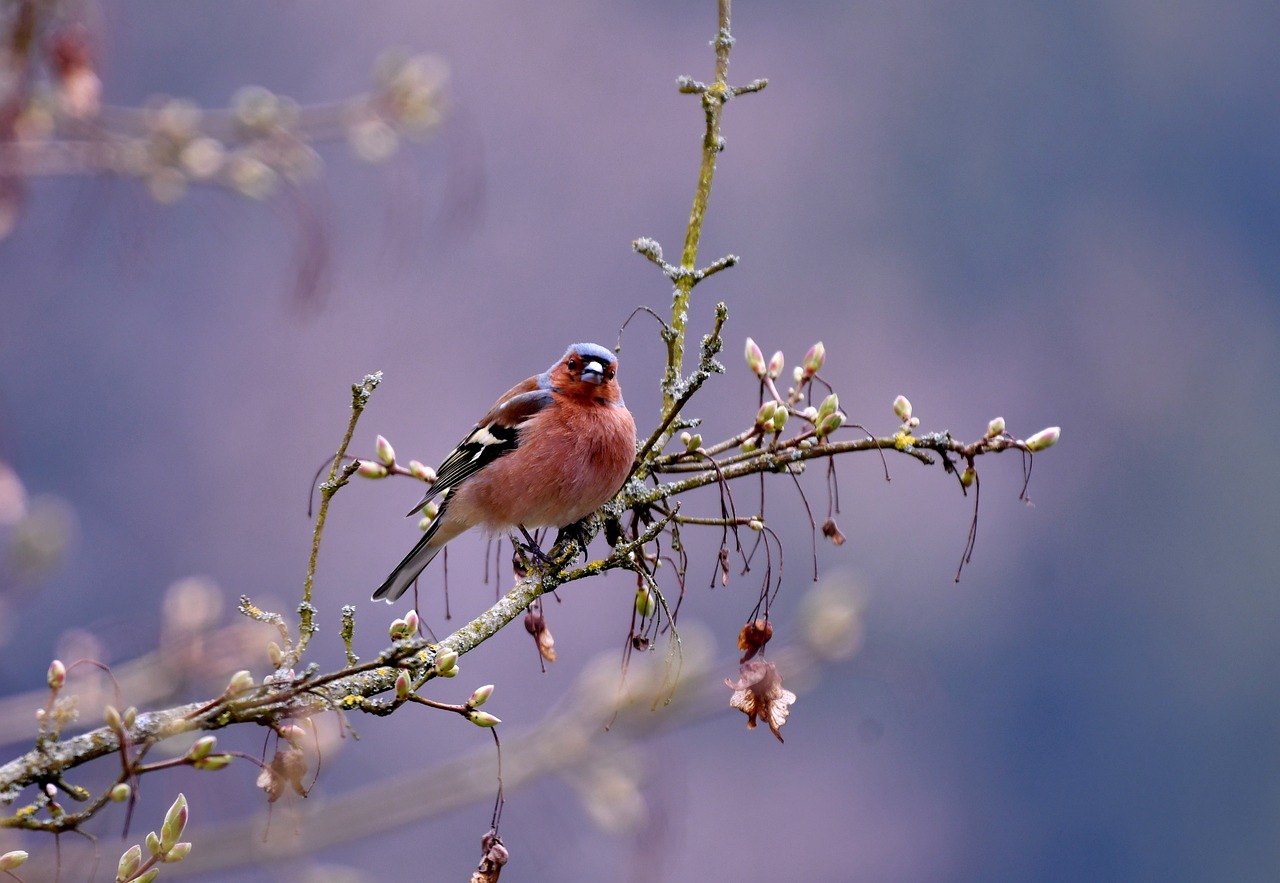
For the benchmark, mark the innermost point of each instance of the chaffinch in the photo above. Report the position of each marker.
(551, 451)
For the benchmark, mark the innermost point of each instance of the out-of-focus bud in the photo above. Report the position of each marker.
(384, 451)
(175, 820)
(968, 477)
(755, 359)
(756, 524)
(112, 717)
(402, 686)
(202, 748)
(129, 864)
(780, 416)
(902, 407)
(995, 427)
(814, 360)
(12, 859)
(292, 733)
(372, 469)
(149, 876)
(829, 406)
(482, 719)
(775, 365)
(240, 682)
(422, 472)
(830, 424)
(213, 762)
(274, 654)
(749, 446)
(765, 415)
(646, 604)
(57, 674)
(121, 792)
(1045, 438)
(480, 696)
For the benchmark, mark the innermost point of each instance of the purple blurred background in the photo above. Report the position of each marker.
(1062, 213)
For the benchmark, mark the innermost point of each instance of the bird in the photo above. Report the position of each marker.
(551, 450)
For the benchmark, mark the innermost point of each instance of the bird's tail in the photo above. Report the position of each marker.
(407, 570)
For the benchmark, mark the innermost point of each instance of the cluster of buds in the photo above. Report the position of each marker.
(772, 416)
(201, 754)
(404, 628)
(692, 441)
(828, 418)
(902, 408)
(409, 98)
(446, 663)
(478, 698)
(163, 847)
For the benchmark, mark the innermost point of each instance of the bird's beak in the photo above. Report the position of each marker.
(593, 371)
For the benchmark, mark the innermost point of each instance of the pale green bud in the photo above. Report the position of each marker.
(480, 696)
(482, 719)
(446, 660)
(765, 415)
(814, 359)
(1045, 438)
(902, 407)
(694, 442)
(175, 820)
(780, 418)
(12, 859)
(775, 365)
(214, 762)
(830, 423)
(968, 476)
(646, 603)
(372, 469)
(995, 427)
(179, 852)
(148, 876)
(153, 843)
(57, 674)
(202, 748)
(130, 862)
(385, 453)
(121, 792)
(240, 682)
(829, 406)
(748, 446)
(755, 359)
(422, 472)
(402, 686)
(112, 717)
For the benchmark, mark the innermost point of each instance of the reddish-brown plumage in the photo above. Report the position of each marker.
(574, 443)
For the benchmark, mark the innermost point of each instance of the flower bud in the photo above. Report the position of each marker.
(12, 859)
(240, 682)
(372, 469)
(399, 629)
(178, 853)
(755, 359)
(121, 792)
(202, 748)
(749, 446)
(829, 406)
(153, 843)
(422, 472)
(775, 365)
(402, 686)
(57, 674)
(694, 442)
(765, 415)
(446, 661)
(292, 733)
(214, 762)
(130, 862)
(755, 524)
(274, 654)
(175, 820)
(411, 620)
(1045, 438)
(384, 451)
(814, 359)
(482, 719)
(480, 696)
(685, 438)
(902, 407)
(148, 876)
(995, 427)
(780, 416)
(968, 476)
(646, 604)
(112, 717)
(830, 424)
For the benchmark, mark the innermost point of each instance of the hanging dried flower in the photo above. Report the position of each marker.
(759, 694)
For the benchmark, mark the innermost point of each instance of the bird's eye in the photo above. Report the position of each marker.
(573, 364)
(609, 374)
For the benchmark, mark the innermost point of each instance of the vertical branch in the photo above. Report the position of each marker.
(713, 99)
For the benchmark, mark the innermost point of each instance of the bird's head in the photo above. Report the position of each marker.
(589, 370)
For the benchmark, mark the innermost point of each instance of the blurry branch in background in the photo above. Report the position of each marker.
(780, 433)
(53, 123)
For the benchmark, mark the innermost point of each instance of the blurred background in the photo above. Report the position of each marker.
(1059, 213)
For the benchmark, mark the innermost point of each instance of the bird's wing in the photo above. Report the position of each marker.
(496, 434)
